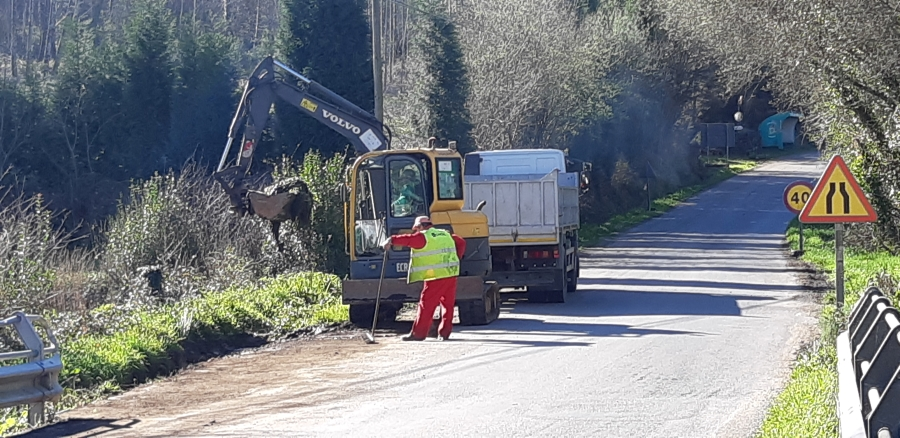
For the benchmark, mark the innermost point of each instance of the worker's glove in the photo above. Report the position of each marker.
(386, 243)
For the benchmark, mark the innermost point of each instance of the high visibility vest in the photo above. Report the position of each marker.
(437, 259)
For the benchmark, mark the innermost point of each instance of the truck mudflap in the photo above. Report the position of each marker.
(541, 278)
(397, 290)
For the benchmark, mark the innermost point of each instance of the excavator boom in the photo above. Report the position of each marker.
(361, 128)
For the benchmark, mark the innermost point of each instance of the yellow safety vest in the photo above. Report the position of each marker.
(437, 259)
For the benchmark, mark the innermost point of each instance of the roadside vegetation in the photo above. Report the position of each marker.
(172, 278)
(807, 407)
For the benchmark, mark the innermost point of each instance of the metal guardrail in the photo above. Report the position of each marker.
(36, 381)
(868, 369)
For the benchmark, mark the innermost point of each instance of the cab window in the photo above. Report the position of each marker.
(407, 189)
(449, 179)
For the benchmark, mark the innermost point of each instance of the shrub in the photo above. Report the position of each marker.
(320, 246)
(179, 229)
(32, 252)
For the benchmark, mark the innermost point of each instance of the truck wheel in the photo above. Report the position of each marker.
(361, 314)
(572, 276)
(481, 312)
(549, 294)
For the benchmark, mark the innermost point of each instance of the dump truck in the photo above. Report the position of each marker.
(532, 207)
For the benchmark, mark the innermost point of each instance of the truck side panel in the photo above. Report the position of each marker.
(526, 208)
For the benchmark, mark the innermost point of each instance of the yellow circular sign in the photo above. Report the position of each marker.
(796, 194)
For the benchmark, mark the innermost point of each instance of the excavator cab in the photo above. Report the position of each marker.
(385, 190)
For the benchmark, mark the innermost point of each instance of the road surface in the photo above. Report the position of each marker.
(685, 326)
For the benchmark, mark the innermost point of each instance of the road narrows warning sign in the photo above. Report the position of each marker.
(837, 198)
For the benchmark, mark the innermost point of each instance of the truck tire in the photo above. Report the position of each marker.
(361, 314)
(549, 294)
(483, 311)
(572, 276)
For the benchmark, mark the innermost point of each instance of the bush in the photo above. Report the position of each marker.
(35, 265)
(319, 247)
(176, 236)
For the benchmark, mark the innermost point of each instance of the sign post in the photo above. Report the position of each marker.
(648, 175)
(795, 196)
(838, 199)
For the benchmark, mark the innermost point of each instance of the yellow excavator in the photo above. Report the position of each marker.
(383, 192)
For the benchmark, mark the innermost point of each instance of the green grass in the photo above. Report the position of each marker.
(806, 407)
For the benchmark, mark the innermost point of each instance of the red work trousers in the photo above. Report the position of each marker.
(436, 292)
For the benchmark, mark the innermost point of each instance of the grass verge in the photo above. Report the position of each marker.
(806, 407)
(157, 341)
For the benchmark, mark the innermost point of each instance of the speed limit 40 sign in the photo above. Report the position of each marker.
(796, 194)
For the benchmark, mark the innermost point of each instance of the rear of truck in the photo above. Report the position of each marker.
(533, 221)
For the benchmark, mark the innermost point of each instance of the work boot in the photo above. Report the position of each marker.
(410, 337)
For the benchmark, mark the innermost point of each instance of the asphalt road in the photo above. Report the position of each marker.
(684, 326)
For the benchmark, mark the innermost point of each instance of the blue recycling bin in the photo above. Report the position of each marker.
(779, 129)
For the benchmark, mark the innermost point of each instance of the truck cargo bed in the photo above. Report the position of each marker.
(525, 208)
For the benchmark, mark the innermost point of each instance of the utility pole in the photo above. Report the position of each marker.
(376, 59)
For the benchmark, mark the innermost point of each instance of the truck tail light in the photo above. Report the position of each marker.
(539, 254)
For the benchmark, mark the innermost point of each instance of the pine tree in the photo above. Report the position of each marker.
(446, 84)
(329, 42)
(205, 96)
(87, 112)
(150, 78)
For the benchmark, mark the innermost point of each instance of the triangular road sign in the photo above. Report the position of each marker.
(837, 198)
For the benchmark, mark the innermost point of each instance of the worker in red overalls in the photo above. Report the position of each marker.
(434, 260)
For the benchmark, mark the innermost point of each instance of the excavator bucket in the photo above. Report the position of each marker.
(286, 200)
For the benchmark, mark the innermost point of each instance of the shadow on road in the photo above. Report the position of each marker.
(537, 327)
(85, 427)
(619, 257)
(681, 268)
(719, 241)
(594, 303)
(693, 284)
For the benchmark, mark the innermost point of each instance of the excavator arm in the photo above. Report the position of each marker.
(263, 87)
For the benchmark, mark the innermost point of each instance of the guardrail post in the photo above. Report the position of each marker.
(34, 343)
(36, 381)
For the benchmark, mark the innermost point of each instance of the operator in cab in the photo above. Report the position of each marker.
(434, 260)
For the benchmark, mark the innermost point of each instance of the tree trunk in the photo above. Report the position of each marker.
(256, 27)
(225, 12)
(181, 14)
(28, 20)
(12, 38)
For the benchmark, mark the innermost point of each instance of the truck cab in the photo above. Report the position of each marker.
(515, 162)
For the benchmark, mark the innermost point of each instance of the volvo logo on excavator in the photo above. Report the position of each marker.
(341, 122)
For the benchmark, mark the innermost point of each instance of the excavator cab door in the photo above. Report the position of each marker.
(408, 193)
(390, 192)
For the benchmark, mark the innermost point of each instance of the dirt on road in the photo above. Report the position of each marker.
(299, 372)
